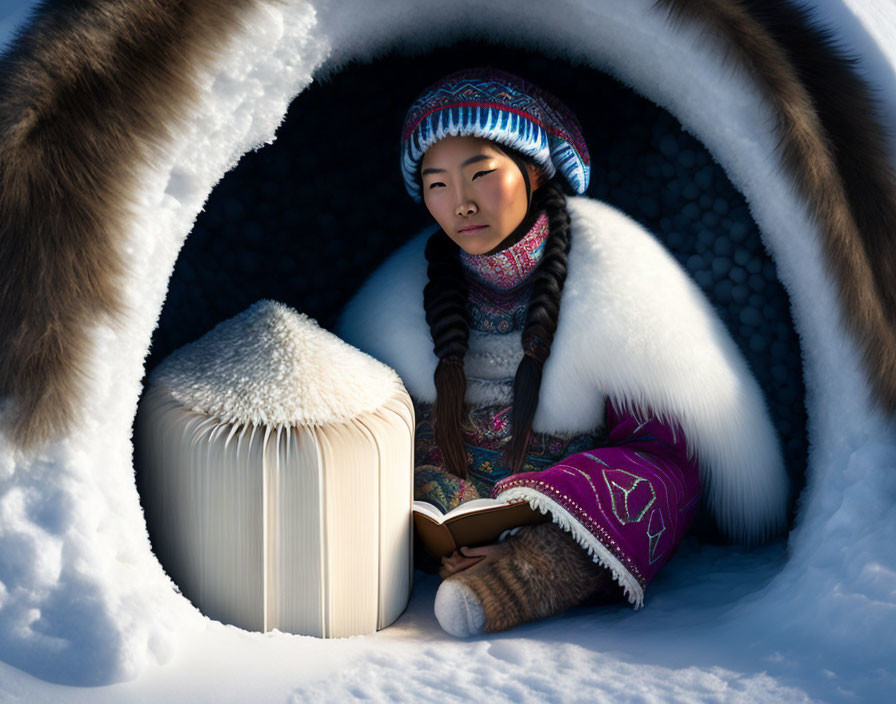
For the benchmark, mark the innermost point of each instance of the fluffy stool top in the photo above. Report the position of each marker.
(271, 365)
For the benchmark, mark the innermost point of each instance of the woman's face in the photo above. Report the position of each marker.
(474, 191)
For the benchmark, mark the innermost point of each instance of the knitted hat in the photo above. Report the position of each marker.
(486, 102)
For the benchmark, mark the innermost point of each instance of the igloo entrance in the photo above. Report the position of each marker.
(306, 219)
(83, 599)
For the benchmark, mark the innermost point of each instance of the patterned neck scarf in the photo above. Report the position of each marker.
(511, 267)
(500, 284)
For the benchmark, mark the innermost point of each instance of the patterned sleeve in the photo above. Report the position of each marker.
(629, 501)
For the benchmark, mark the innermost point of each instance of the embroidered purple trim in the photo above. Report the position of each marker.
(509, 268)
(582, 516)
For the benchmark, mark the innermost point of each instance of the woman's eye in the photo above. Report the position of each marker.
(481, 173)
(436, 183)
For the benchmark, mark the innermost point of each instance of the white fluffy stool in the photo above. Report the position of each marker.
(276, 466)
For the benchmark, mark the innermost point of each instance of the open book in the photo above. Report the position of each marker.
(475, 522)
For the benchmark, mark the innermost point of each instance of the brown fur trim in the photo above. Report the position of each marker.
(86, 91)
(833, 145)
(544, 572)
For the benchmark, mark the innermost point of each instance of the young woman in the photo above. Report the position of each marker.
(556, 353)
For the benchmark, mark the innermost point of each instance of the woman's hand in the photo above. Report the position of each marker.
(470, 558)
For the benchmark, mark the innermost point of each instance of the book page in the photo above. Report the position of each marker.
(473, 506)
(212, 546)
(295, 533)
(392, 429)
(304, 530)
(351, 529)
(231, 565)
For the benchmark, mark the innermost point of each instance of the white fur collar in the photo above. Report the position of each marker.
(632, 326)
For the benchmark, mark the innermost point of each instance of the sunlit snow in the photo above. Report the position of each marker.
(83, 602)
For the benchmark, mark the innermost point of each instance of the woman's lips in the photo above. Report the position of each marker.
(472, 229)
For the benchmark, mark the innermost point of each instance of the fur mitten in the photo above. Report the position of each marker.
(543, 572)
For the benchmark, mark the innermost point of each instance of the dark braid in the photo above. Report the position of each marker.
(541, 323)
(445, 303)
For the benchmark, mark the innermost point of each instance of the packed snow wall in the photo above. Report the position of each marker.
(82, 598)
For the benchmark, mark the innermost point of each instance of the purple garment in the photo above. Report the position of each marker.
(630, 501)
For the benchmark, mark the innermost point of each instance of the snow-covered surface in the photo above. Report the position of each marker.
(83, 601)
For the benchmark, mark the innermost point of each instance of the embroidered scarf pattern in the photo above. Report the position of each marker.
(511, 267)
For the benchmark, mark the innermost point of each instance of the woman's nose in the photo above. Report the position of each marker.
(466, 207)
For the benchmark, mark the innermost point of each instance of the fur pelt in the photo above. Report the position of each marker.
(632, 326)
(542, 573)
(92, 85)
(834, 146)
(86, 91)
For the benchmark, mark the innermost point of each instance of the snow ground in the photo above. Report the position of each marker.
(82, 600)
(588, 654)
(688, 645)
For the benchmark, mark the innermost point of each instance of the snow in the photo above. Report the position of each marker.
(84, 602)
(574, 657)
(268, 365)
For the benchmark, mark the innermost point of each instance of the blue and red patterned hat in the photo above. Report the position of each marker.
(495, 105)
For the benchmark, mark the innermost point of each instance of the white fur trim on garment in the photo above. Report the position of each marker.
(632, 326)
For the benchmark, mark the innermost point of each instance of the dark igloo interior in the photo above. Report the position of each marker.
(306, 219)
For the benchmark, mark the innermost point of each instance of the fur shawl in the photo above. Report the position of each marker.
(632, 326)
